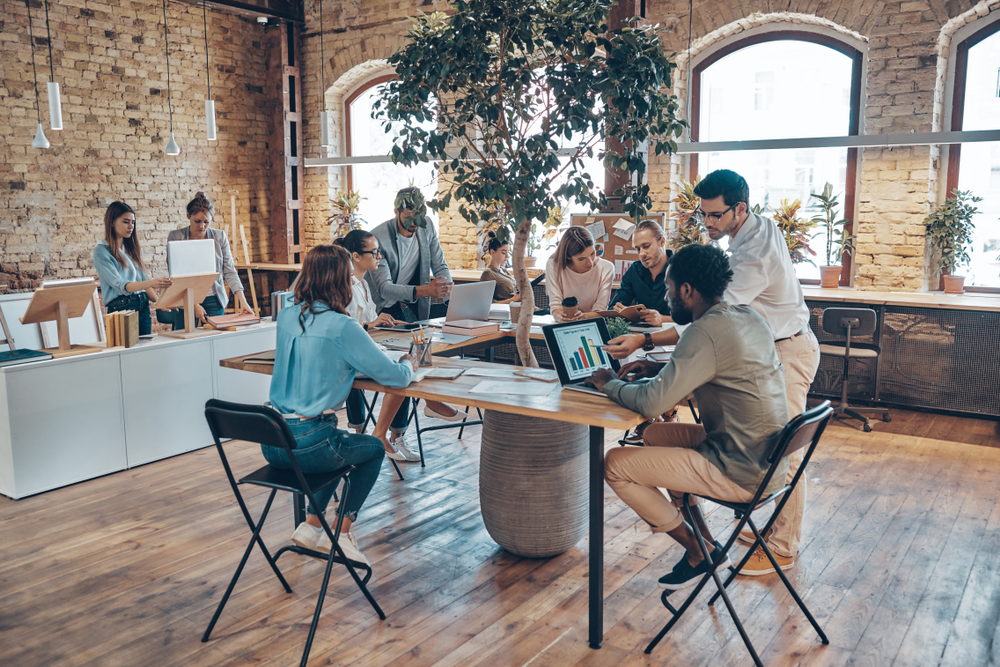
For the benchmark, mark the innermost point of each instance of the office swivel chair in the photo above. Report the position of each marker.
(851, 322)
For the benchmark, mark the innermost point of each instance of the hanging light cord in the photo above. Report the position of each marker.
(31, 35)
(690, 83)
(166, 51)
(52, 70)
(208, 78)
(322, 57)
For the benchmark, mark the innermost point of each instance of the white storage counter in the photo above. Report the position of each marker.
(66, 420)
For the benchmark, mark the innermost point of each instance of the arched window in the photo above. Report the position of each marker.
(782, 85)
(976, 166)
(378, 182)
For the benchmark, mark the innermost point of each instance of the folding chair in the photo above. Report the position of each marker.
(804, 430)
(263, 425)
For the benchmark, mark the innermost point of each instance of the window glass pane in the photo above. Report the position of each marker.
(379, 183)
(776, 90)
(979, 169)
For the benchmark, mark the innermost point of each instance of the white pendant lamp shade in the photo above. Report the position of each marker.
(210, 119)
(40, 141)
(172, 147)
(324, 128)
(55, 106)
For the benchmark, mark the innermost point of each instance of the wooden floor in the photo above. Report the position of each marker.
(899, 562)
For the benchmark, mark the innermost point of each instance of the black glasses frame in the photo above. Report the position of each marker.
(374, 253)
(702, 215)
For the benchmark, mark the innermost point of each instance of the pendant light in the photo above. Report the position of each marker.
(324, 119)
(209, 103)
(39, 141)
(172, 147)
(55, 103)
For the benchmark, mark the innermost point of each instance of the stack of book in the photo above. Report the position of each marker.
(231, 322)
(122, 328)
(470, 327)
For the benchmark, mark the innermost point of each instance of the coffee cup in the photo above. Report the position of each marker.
(515, 312)
(570, 307)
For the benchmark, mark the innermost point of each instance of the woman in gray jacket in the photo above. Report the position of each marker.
(200, 212)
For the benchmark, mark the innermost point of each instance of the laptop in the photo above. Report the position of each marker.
(575, 348)
(191, 258)
(469, 301)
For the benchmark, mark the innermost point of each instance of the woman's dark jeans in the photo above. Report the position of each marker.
(356, 412)
(139, 302)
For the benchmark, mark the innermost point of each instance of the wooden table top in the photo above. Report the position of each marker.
(969, 301)
(559, 405)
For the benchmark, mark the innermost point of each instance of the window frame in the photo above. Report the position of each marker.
(854, 121)
(958, 119)
(355, 94)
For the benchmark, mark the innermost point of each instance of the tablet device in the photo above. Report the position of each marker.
(575, 348)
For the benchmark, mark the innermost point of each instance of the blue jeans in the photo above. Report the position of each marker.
(320, 447)
(139, 302)
(175, 317)
(356, 412)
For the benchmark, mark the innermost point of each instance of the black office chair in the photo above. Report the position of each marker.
(263, 425)
(803, 431)
(849, 322)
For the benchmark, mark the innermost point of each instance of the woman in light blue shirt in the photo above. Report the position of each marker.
(319, 351)
(118, 260)
(200, 212)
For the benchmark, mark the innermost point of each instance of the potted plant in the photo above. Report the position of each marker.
(507, 84)
(837, 238)
(688, 229)
(795, 229)
(345, 217)
(949, 229)
(534, 245)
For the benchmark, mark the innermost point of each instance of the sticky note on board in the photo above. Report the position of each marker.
(618, 250)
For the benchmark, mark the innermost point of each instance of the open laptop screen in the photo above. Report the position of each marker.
(578, 346)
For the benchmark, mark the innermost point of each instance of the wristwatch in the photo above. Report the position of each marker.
(647, 344)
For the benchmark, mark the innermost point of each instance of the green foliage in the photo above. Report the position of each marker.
(950, 229)
(617, 326)
(507, 82)
(795, 229)
(837, 238)
(689, 228)
(345, 217)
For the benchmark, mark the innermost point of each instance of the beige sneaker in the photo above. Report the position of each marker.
(347, 544)
(759, 564)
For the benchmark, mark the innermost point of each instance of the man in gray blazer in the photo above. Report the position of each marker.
(402, 285)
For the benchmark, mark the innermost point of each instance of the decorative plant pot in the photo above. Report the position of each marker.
(529, 261)
(829, 276)
(533, 483)
(954, 284)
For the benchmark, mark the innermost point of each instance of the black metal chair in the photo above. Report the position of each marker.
(849, 322)
(263, 425)
(803, 431)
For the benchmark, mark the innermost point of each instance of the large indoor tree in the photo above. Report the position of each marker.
(509, 83)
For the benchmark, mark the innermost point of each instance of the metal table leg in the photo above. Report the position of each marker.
(596, 583)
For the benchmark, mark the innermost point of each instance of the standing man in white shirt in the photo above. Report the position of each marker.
(763, 277)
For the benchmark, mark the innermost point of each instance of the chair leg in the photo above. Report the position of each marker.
(694, 413)
(239, 570)
(416, 423)
(795, 595)
(462, 430)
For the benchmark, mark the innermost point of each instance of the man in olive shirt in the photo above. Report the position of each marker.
(727, 359)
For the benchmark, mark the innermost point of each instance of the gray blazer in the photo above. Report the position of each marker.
(383, 279)
(223, 261)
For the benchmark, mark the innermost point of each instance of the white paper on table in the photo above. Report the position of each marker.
(451, 339)
(399, 342)
(490, 372)
(520, 388)
(597, 230)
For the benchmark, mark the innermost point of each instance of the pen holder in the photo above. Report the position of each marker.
(423, 351)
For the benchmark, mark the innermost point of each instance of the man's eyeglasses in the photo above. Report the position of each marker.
(700, 215)
(376, 253)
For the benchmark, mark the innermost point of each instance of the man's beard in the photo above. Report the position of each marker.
(679, 314)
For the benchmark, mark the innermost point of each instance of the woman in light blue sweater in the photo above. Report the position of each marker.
(118, 260)
(319, 351)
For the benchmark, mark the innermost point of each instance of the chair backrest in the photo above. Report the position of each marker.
(253, 423)
(801, 431)
(861, 320)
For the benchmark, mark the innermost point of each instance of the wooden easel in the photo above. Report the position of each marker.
(60, 304)
(184, 293)
(7, 338)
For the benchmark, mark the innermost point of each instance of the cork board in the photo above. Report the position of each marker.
(614, 245)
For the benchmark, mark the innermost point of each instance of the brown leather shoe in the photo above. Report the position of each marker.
(759, 564)
(747, 536)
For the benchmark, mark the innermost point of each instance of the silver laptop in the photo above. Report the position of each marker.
(575, 348)
(469, 301)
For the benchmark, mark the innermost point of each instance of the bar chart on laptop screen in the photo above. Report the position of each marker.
(580, 347)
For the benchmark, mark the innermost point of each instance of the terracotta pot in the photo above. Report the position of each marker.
(829, 276)
(954, 284)
(529, 262)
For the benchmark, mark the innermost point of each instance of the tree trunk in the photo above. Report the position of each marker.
(523, 331)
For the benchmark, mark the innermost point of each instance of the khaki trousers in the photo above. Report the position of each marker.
(800, 358)
(669, 461)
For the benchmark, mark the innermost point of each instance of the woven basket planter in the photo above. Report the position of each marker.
(533, 483)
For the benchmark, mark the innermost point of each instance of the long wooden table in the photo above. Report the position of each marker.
(565, 406)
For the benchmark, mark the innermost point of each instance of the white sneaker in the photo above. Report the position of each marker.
(347, 544)
(307, 536)
(457, 417)
(399, 444)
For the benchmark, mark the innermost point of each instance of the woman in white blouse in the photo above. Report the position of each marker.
(575, 270)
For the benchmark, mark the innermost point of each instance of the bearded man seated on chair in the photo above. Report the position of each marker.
(726, 357)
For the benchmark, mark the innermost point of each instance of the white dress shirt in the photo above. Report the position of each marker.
(764, 278)
(362, 306)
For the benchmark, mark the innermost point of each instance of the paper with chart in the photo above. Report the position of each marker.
(624, 229)
(516, 387)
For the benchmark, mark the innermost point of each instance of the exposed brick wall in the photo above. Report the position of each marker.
(109, 61)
